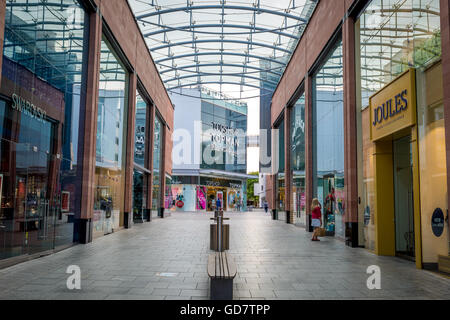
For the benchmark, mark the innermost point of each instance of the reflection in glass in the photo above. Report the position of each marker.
(297, 137)
(140, 132)
(43, 59)
(328, 141)
(280, 182)
(139, 196)
(396, 35)
(110, 147)
(157, 153)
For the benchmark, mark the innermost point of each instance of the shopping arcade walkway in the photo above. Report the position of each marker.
(166, 259)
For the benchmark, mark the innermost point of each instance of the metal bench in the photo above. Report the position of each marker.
(221, 271)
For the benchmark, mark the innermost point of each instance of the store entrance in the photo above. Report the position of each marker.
(403, 198)
(213, 194)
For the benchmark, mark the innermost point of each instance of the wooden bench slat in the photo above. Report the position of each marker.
(232, 269)
(224, 263)
(211, 266)
(217, 262)
(221, 266)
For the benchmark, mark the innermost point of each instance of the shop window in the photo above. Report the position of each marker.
(280, 181)
(328, 141)
(297, 136)
(395, 36)
(110, 147)
(42, 83)
(157, 164)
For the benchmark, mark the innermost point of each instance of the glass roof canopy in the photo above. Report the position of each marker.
(231, 46)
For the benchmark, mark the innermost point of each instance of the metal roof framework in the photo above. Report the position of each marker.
(222, 43)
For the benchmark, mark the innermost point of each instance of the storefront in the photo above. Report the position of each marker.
(200, 193)
(39, 127)
(66, 174)
(404, 176)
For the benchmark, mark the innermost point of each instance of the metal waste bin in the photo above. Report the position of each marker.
(225, 237)
(224, 233)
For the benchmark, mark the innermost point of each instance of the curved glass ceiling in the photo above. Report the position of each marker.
(233, 46)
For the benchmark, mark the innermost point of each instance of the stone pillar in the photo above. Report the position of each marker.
(89, 115)
(309, 185)
(445, 41)
(287, 166)
(129, 156)
(2, 32)
(350, 135)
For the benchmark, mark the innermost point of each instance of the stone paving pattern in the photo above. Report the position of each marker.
(274, 261)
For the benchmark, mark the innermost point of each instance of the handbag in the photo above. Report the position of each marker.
(321, 232)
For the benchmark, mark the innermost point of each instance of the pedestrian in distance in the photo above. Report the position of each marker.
(218, 204)
(316, 218)
(266, 206)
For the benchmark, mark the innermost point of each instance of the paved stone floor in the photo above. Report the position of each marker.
(166, 259)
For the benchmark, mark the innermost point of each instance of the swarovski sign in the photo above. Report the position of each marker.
(22, 105)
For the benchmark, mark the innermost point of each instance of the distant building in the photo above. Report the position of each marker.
(214, 161)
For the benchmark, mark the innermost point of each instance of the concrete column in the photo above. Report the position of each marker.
(89, 113)
(350, 135)
(309, 185)
(129, 156)
(445, 41)
(2, 32)
(287, 166)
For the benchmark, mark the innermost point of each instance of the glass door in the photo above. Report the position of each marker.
(139, 196)
(403, 198)
(40, 215)
(329, 205)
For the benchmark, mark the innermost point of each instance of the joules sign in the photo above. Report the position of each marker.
(22, 105)
(387, 110)
(393, 108)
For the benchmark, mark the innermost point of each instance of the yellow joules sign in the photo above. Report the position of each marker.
(393, 108)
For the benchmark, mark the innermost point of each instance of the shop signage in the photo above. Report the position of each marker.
(22, 105)
(211, 182)
(437, 222)
(180, 204)
(224, 139)
(394, 107)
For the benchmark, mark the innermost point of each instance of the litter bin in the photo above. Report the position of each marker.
(225, 232)
(225, 237)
